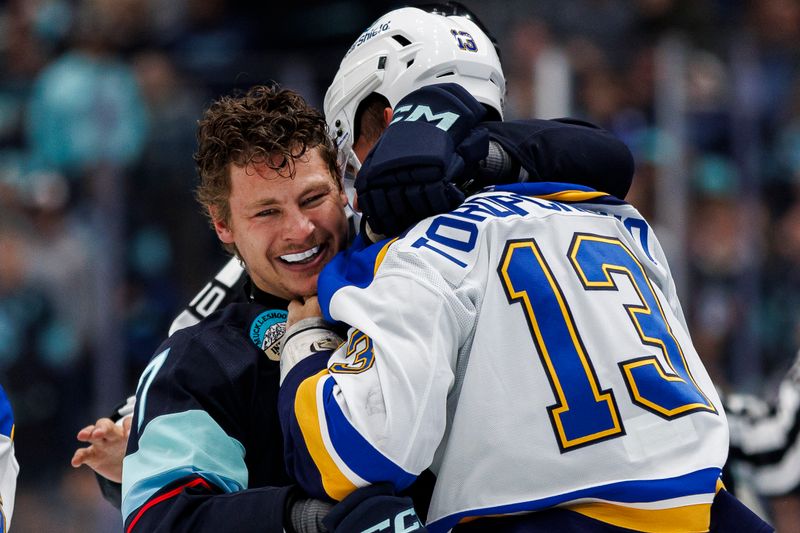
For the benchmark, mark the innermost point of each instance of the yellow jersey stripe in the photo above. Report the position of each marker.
(685, 519)
(382, 254)
(307, 410)
(572, 196)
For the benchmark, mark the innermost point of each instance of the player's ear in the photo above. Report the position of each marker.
(388, 113)
(221, 226)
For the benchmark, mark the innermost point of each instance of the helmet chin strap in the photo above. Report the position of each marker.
(349, 178)
(349, 190)
(353, 160)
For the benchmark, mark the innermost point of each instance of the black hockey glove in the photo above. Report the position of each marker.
(432, 143)
(373, 508)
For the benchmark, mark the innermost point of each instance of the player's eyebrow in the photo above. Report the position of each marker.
(315, 186)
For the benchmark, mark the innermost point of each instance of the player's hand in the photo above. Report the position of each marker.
(302, 309)
(106, 451)
(367, 508)
(411, 173)
(307, 334)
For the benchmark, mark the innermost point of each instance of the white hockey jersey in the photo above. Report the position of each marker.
(9, 468)
(530, 349)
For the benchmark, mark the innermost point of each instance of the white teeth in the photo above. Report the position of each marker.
(295, 258)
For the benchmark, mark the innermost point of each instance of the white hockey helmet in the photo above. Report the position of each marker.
(409, 48)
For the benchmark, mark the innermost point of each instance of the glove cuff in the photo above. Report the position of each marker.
(306, 337)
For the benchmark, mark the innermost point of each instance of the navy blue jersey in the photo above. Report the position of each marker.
(205, 451)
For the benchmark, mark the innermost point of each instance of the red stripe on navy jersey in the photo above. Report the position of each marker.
(168, 495)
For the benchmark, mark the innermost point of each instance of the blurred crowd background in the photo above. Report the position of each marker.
(101, 241)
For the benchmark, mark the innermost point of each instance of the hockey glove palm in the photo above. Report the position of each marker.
(430, 145)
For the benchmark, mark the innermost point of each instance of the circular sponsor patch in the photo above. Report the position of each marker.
(267, 330)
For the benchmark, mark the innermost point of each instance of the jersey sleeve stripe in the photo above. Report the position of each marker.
(174, 492)
(6, 416)
(702, 483)
(176, 445)
(336, 446)
(695, 517)
(560, 192)
(572, 196)
(382, 254)
(356, 267)
(356, 451)
(307, 412)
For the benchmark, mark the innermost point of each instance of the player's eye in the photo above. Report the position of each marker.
(314, 199)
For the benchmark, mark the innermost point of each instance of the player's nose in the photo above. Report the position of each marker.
(297, 225)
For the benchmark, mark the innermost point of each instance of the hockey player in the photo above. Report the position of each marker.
(528, 347)
(567, 149)
(9, 468)
(204, 453)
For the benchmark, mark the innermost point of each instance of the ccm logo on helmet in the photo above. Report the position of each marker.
(443, 120)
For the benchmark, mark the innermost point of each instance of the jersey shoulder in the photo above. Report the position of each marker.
(228, 338)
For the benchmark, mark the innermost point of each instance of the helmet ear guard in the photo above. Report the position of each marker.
(409, 48)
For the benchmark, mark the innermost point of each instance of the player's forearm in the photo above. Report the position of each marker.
(195, 505)
(569, 151)
(331, 460)
(382, 398)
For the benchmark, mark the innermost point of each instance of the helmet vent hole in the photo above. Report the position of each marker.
(402, 40)
(382, 63)
(445, 74)
(409, 63)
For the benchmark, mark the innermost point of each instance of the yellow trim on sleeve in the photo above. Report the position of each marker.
(685, 519)
(382, 255)
(572, 196)
(307, 411)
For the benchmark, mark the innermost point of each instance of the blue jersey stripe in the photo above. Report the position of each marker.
(637, 491)
(176, 445)
(6, 414)
(359, 455)
(352, 267)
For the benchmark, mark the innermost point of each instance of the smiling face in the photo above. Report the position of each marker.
(285, 228)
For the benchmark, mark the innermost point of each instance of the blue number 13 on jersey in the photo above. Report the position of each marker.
(584, 412)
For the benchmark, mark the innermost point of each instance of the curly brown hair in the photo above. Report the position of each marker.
(266, 125)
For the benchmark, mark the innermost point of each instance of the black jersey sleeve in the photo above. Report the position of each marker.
(765, 435)
(205, 451)
(567, 150)
(227, 286)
